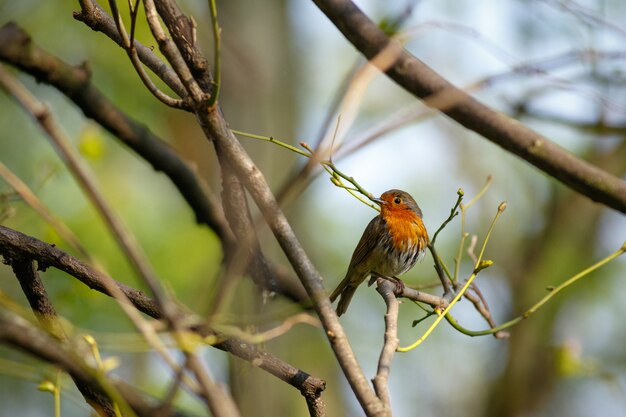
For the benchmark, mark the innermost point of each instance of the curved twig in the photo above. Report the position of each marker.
(99, 20)
(14, 243)
(420, 80)
(75, 83)
(128, 43)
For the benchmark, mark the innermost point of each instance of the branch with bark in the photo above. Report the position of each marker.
(424, 83)
(15, 245)
(186, 71)
(18, 49)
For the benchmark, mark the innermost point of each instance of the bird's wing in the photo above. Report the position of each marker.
(358, 264)
(371, 237)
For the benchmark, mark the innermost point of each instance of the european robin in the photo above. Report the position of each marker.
(391, 244)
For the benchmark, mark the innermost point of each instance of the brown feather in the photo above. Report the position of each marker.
(390, 245)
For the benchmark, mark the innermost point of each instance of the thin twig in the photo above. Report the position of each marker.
(99, 20)
(36, 204)
(479, 266)
(217, 59)
(124, 238)
(420, 80)
(173, 55)
(553, 292)
(13, 243)
(267, 335)
(129, 46)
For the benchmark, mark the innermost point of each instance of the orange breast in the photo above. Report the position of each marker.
(407, 230)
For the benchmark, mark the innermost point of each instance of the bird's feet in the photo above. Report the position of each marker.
(399, 284)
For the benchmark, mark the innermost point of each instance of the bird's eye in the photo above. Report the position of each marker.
(397, 200)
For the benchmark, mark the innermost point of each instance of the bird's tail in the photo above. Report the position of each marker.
(344, 300)
(344, 291)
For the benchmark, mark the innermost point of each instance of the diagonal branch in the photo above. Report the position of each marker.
(224, 140)
(15, 244)
(48, 124)
(216, 129)
(100, 21)
(420, 80)
(16, 48)
(21, 334)
(35, 292)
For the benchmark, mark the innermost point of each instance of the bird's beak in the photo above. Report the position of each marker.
(379, 201)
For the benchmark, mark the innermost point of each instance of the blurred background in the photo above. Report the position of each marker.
(556, 66)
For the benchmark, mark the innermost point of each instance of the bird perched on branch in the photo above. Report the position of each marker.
(391, 244)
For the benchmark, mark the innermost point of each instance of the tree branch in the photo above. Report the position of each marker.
(217, 130)
(35, 292)
(99, 20)
(15, 244)
(16, 48)
(19, 333)
(381, 381)
(420, 80)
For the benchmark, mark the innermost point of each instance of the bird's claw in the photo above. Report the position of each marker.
(400, 286)
(398, 283)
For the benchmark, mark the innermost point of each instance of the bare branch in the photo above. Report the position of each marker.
(15, 244)
(35, 292)
(381, 381)
(19, 333)
(16, 48)
(129, 46)
(420, 80)
(97, 19)
(42, 115)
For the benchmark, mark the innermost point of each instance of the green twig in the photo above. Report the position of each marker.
(453, 213)
(337, 177)
(217, 72)
(541, 302)
(479, 266)
(336, 173)
(464, 234)
(481, 192)
(57, 394)
(272, 140)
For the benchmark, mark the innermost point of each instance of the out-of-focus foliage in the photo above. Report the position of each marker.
(283, 65)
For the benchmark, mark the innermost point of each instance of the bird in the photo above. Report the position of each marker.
(391, 244)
